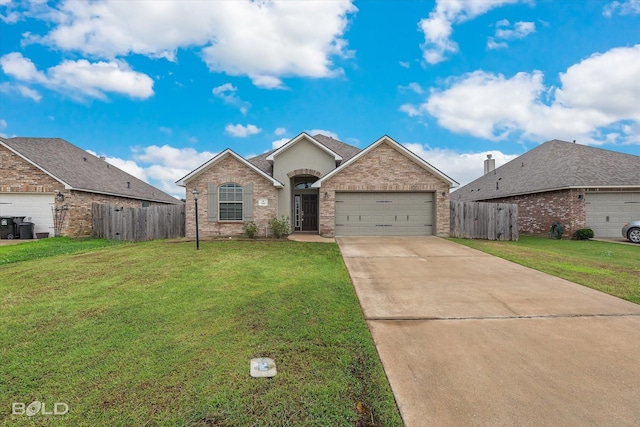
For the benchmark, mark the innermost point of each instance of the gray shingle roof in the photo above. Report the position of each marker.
(346, 151)
(555, 165)
(84, 171)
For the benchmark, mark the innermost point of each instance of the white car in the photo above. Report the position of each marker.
(631, 231)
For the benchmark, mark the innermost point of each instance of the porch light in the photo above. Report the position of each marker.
(60, 197)
(195, 193)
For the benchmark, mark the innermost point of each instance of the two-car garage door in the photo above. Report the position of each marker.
(384, 214)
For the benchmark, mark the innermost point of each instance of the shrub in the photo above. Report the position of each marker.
(280, 227)
(584, 234)
(250, 229)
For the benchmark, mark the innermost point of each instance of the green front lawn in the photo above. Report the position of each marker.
(613, 268)
(157, 333)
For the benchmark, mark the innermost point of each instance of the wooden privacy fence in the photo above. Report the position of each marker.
(136, 224)
(480, 220)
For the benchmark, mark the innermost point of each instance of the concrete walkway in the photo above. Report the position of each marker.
(468, 339)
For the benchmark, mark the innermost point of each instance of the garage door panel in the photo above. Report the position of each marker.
(34, 207)
(608, 212)
(384, 214)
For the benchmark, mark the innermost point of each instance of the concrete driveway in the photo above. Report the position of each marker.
(469, 339)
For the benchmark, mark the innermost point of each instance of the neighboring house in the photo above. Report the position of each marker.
(325, 187)
(54, 183)
(575, 185)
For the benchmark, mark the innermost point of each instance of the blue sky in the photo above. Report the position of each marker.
(159, 87)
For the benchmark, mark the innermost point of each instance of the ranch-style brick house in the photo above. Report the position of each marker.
(54, 183)
(574, 185)
(323, 186)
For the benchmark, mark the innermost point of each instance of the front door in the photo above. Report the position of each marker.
(309, 212)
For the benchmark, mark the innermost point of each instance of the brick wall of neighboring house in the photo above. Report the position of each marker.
(538, 212)
(228, 170)
(384, 169)
(19, 176)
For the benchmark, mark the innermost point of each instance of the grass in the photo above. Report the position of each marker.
(157, 333)
(608, 267)
(49, 247)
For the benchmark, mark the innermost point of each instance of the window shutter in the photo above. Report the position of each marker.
(212, 202)
(247, 202)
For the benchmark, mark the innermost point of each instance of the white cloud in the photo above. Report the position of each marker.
(438, 27)
(17, 66)
(493, 44)
(324, 132)
(25, 91)
(410, 109)
(266, 82)
(597, 99)
(405, 64)
(161, 166)
(3, 124)
(241, 131)
(227, 92)
(505, 31)
(413, 87)
(280, 131)
(279, 143)
(81, 77)
(462, 167)
(628, 7)
(29, 93)
(165, 130)
(94, 79)
(605, 82)
(265, 40)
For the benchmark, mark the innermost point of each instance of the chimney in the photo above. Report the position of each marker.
(489, 164)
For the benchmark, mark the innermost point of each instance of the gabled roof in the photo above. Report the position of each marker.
(79, 170)
(228, 152)
(345, 151)
(304, 136)
(386, 139)
(555, 165)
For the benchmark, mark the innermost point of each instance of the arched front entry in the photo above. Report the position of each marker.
(305, 215)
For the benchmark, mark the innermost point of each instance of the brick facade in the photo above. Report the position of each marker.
(538, 212)
(384, 169)
(229, 170)
(19, 176)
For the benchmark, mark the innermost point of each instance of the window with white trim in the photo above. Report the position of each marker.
(230, 202)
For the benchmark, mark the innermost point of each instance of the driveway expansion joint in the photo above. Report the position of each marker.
(535, 316)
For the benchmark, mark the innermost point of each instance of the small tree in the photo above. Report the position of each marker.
(280, 227)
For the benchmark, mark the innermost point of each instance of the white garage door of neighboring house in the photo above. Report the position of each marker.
(608, 212)
(384, 214)
(36, 206)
